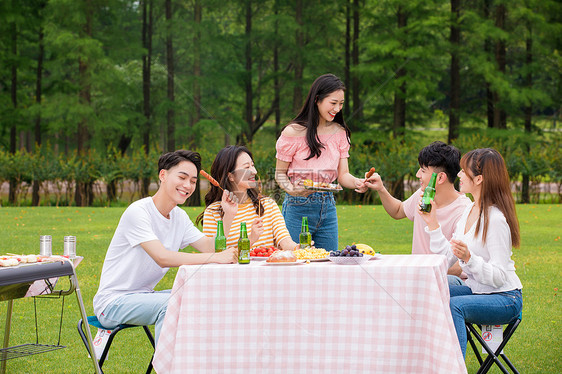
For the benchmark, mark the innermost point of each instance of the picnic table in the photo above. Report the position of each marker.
(389, 315)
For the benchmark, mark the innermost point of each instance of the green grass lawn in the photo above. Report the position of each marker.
(535, 347)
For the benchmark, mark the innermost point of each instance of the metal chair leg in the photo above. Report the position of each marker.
(493, 357)
(151, 339)
(81, 326)
(511, 366)
(149, 335)
(473, 345)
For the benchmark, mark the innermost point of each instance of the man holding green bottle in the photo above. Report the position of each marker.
(444, 160)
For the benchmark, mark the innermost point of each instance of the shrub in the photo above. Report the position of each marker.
(395, 158)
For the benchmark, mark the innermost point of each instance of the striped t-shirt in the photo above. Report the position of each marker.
(274, 229)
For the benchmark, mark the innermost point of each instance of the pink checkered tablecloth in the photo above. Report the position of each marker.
(386, 316)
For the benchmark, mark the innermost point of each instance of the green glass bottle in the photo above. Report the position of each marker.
(428, 194)
(220, 239)
(305, 239)
(243, 245)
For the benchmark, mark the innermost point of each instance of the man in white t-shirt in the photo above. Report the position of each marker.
(146, 244)
(444, 160)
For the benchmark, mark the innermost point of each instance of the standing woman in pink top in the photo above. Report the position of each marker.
(315, 145)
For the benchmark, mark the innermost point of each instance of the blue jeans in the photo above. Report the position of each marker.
(483, 309)
(320, 208)
(455, 281)
(147, 308)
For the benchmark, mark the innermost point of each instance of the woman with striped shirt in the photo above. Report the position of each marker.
(234, 169)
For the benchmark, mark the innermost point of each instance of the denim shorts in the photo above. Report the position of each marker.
(320, 208)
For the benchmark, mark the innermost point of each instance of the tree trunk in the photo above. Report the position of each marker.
(171, 137)
(25, 140)
(85, 99)
(246, 135)
(35, 198)
(197, 16)
(83, 192)
(500, 118)
(455, 40)
(195, 198)
(146, 65)
(298, 63)
(14, 96)
(397, 188)
(529, 83)
(399, 123)
(111, 190)
(525, 196)
(276, 86)
(347, 55)
(124, 142)
(489, 105)
(357, 107)
(488, 51)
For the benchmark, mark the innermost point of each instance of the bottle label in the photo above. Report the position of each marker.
(244, 256)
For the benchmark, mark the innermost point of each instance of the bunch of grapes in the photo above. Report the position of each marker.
(348, 251)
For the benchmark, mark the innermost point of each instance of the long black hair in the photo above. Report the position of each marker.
(309, 116)
(225, 163)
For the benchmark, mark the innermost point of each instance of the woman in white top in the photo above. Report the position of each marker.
(482, 243)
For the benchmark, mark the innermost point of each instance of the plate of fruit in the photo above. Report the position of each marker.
(262, 253)
(350, 255)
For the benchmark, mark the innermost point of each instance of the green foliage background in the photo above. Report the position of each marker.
(241, 71)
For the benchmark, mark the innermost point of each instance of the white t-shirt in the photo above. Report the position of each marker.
(490, 268)
(127, 267)
(447, 216)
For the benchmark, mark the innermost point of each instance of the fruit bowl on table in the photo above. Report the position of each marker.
(350, 255)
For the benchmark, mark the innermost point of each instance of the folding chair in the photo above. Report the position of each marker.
(93, 321)
(493, 357)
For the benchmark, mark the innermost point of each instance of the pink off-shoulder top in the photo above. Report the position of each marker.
(294, 150)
